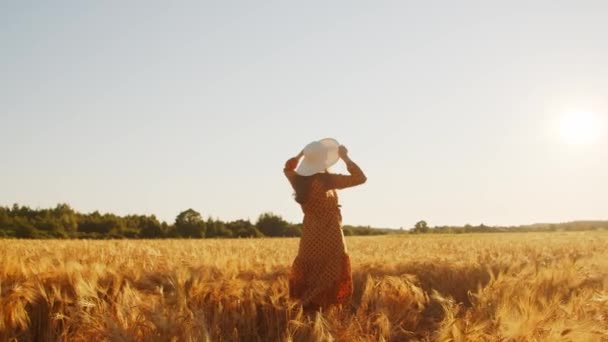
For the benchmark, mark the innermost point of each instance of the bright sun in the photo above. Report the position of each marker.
(578, 128)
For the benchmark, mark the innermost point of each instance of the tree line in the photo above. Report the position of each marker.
(422, 227)
(64, 222)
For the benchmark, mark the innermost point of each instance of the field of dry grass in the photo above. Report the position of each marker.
(492, 287)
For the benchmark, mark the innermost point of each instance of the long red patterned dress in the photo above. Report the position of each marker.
(321, 273)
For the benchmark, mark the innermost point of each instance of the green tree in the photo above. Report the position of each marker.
(217, 228)
(150, 227)
(25, 230)
(421, 227)
(189, 223)
(67, 218)
(293, 230)
(243, 228)
(51, 227)
(6, 222)
(272, 225)
(97, 225)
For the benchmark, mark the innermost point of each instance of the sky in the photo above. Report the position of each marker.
(454, 110)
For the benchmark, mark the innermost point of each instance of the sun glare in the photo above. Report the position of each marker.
(579, 128)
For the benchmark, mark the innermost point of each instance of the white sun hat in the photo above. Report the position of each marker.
(318, 157)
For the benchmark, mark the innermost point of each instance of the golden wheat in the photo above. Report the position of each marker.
(492, 287)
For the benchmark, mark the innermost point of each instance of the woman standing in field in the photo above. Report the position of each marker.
(321, 274)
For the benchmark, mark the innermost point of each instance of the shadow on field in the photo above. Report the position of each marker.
(418, 288)
(449, 280)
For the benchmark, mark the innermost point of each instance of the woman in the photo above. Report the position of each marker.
(321, 274)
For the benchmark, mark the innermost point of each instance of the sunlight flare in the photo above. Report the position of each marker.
(580, 128)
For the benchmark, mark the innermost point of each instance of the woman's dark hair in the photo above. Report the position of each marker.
(303, 184)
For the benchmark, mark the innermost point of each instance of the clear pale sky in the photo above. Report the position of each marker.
(452, 108)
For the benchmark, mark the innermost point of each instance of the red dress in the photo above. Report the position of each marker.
(321, 273)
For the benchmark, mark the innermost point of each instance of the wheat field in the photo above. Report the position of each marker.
(484, 287)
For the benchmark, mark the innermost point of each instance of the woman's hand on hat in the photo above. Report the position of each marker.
(343, 152)
(292, 163)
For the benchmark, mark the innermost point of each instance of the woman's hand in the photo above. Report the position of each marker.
(343, 152)
(292, 163)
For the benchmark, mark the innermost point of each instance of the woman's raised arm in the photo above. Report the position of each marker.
(355, 178)
(290, 166)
